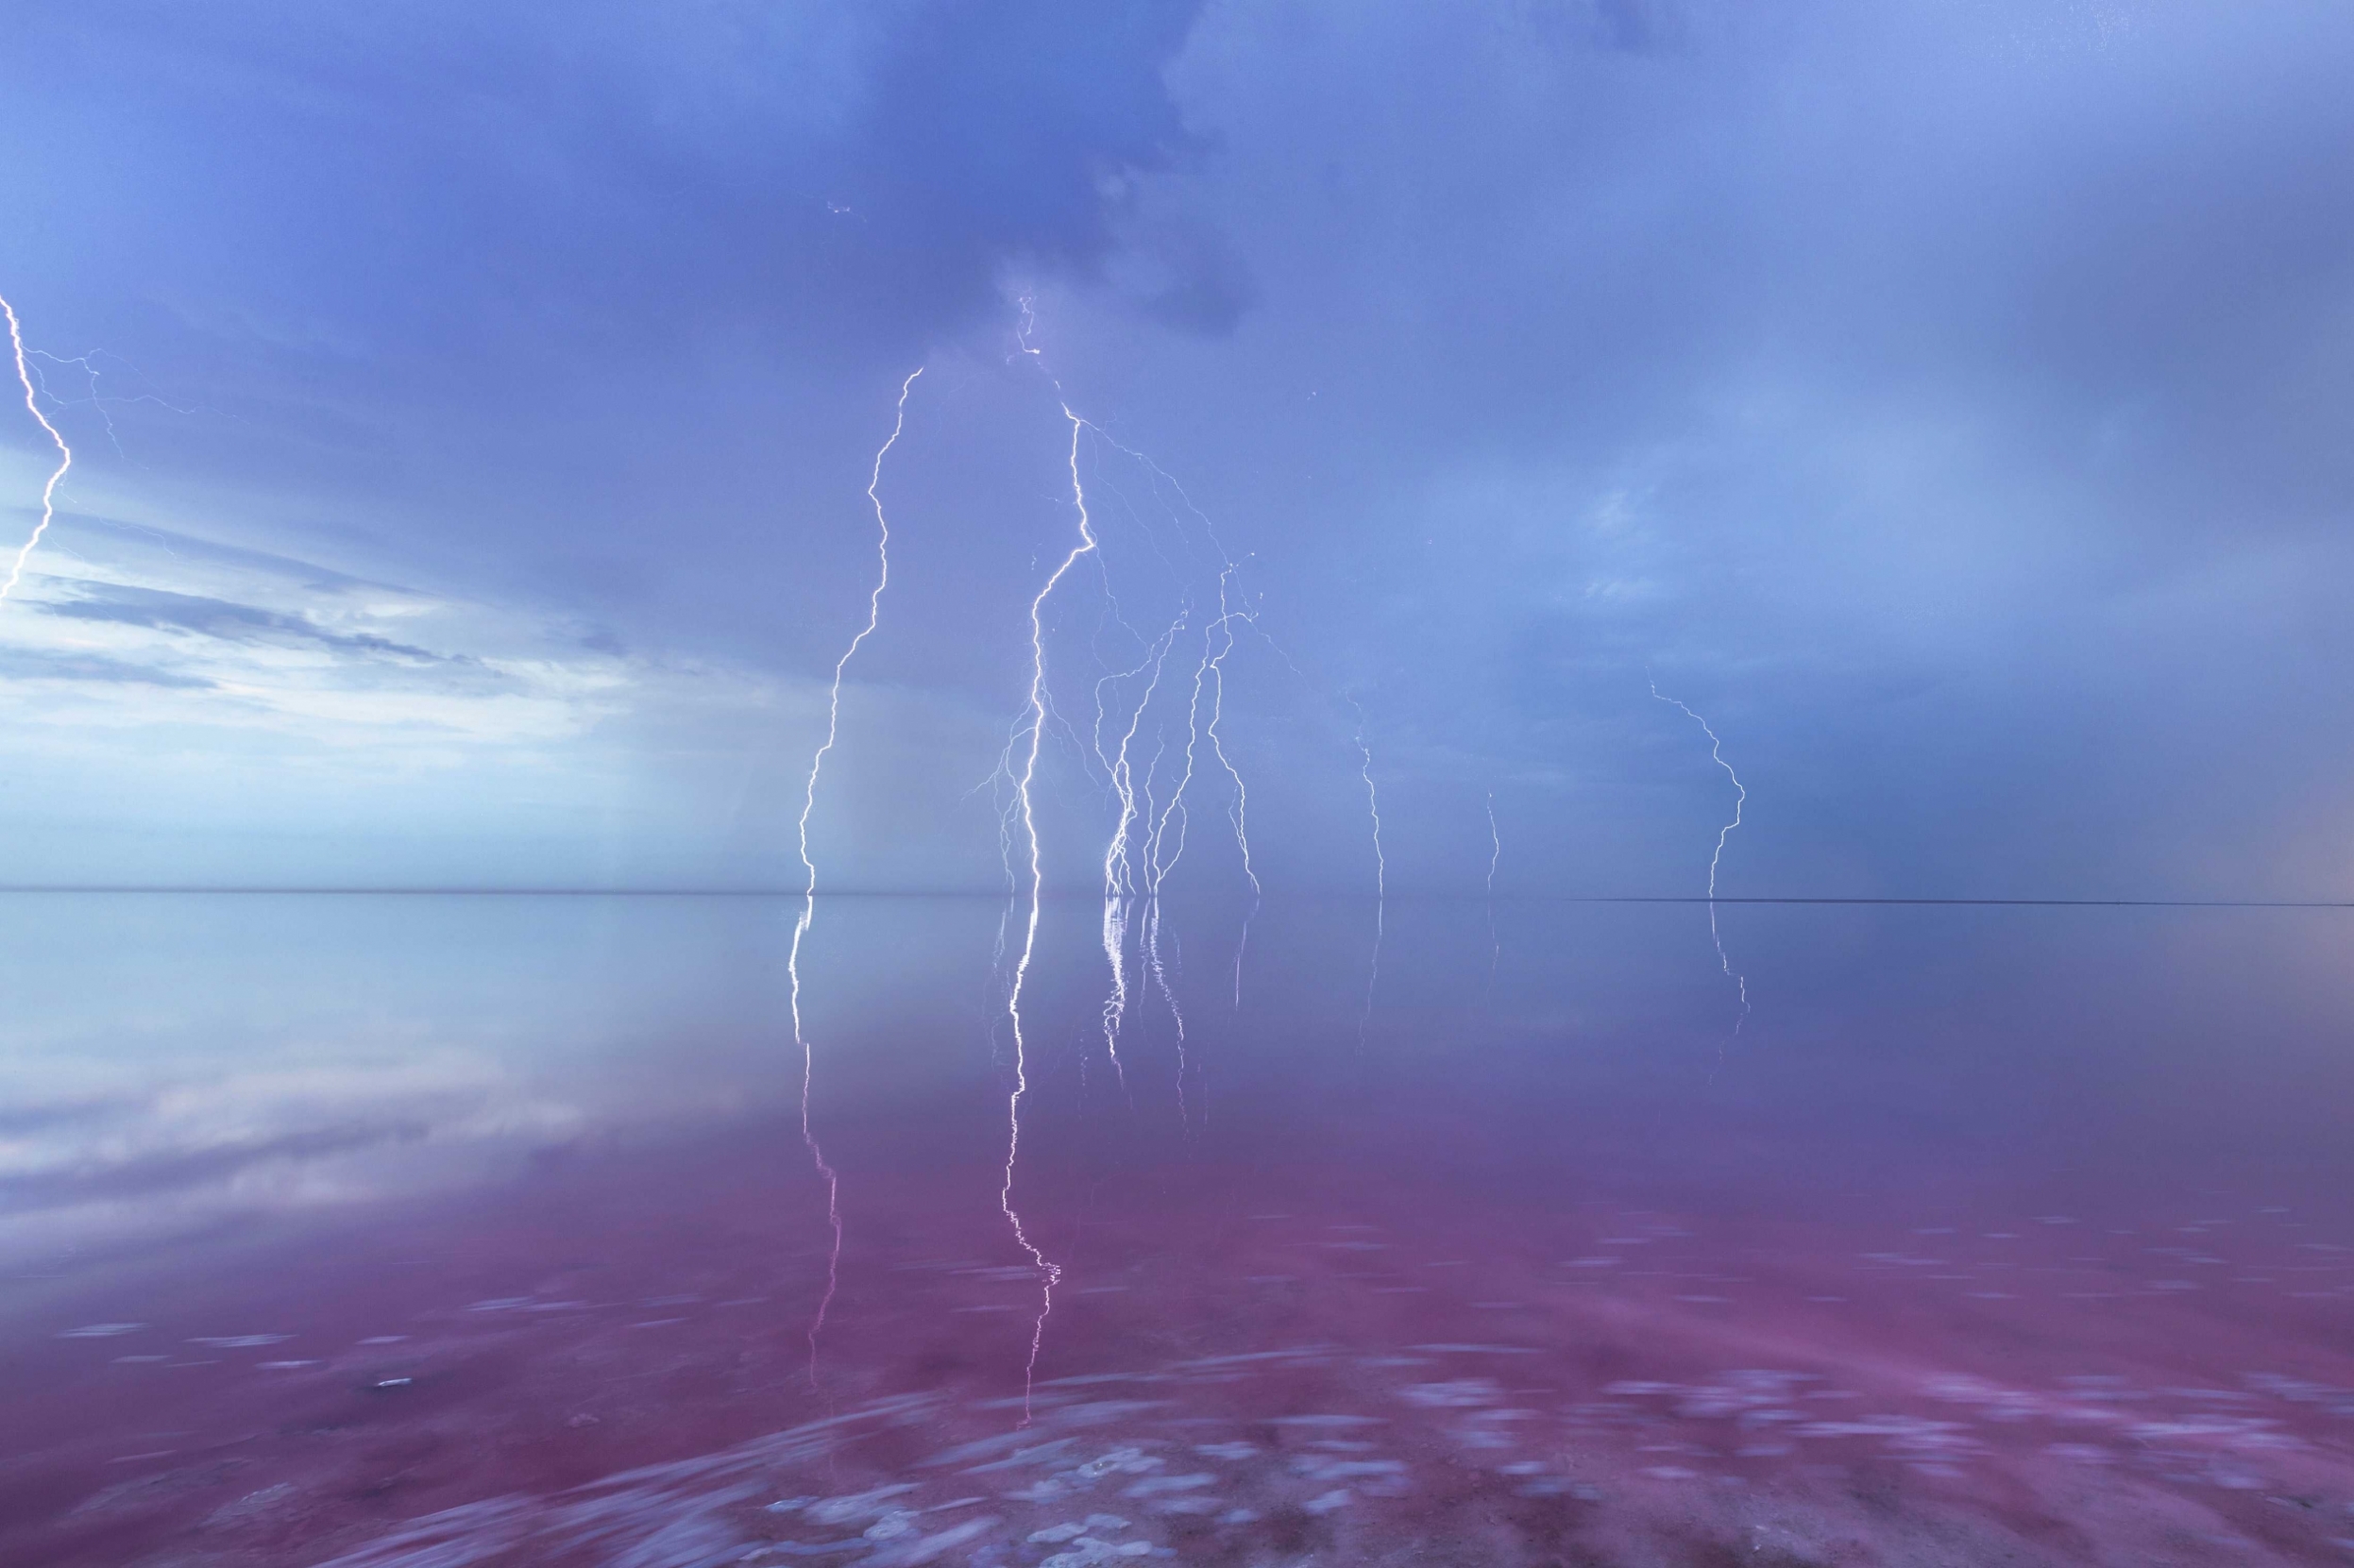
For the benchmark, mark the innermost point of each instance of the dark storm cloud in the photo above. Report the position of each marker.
(1950, 401)
(1634, 26)
(1012, 132)
(1186, 275)
(396, 183)
(493, 288)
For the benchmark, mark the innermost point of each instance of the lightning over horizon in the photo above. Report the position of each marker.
(1143, 607)
(1119, 869)
(809, 888)
(1158, 730)
(1495, 858)
(1495, 845)
(1238, 810)
(458, 1107)
(1380, 869)
(1741, 797)
(65, 454)
(1050, 1274)
(1159, 854)
(1157, 737)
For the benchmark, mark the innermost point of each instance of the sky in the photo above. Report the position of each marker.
(474, 411)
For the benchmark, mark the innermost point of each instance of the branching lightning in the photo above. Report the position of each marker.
(1161, 854)
(1159, 737)
(1140, 705)
(98, 401)
(1033, 734)
(1165, 831)
(1741, 797)
(1120, 880)
(65, 454)
(809, 867)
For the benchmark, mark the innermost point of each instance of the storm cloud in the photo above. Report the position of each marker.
(1947, 401)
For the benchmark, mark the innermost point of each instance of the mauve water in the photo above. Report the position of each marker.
(444, 1231)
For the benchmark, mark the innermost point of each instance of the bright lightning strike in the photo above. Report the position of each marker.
(1741, 797)
(1373, 808)
(1034, 732)
(809, 867)
(1210, 673)
(1158, 739)
(1159, 859)
(1208, 696)
(65, 453)
(1120, 879)
(1150, 833)
(1495, 845)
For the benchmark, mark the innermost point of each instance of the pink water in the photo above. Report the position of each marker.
(1699, 1306)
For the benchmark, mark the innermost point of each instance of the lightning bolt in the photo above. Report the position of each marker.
(1495, 858)
(98, 401)
(1741, 797)
(1159, 859)
(1143, 705)
(65, 453)
(1150, 831)
(82, 363)
(1208, 698)
(1210, 677)
(1034, 733)
(1495, 845)
(1239, 811)
(1120, 882)
(1380, 869)
(1169, 999)
(809, 867)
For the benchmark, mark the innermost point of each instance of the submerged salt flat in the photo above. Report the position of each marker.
(1557, 1272)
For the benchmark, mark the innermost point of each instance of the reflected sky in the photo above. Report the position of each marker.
(511, 1193)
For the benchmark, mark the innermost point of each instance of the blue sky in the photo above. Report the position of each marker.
(1949, 401)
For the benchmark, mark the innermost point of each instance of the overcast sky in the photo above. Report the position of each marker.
(1949, 401)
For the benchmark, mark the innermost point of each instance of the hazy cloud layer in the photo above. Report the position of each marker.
(1948, 401)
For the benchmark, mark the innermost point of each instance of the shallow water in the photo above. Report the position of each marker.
(490, 1230)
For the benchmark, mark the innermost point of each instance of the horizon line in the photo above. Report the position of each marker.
(1828, 900)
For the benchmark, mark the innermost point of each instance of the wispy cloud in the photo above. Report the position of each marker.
(159, 611)
(145, 627)
(176, 711)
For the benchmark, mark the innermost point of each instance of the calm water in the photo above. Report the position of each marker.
(378, 1231)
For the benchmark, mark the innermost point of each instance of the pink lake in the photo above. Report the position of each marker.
(425, 1235)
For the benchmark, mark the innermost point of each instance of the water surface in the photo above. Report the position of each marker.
(443, 1230)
